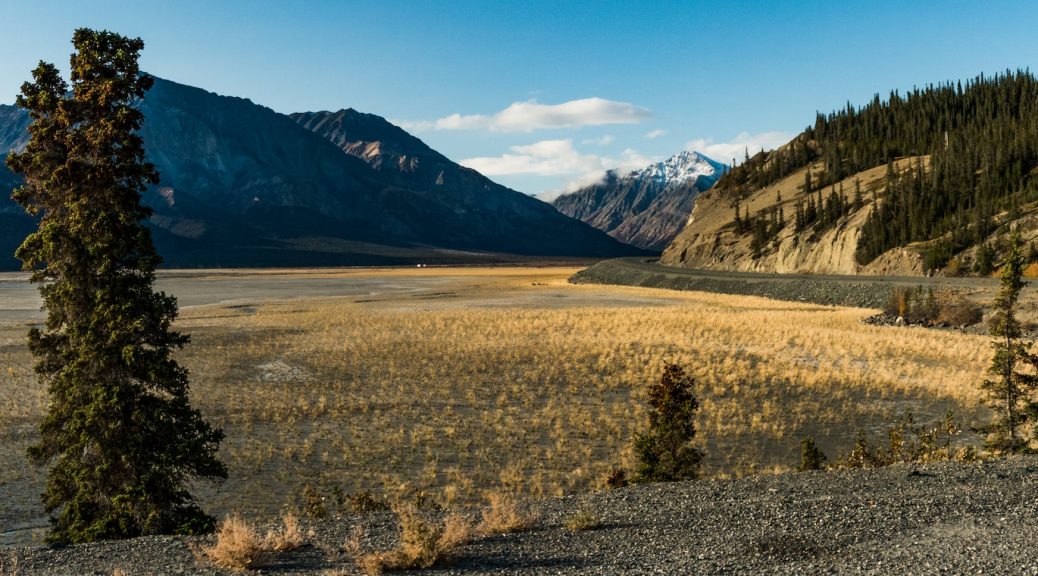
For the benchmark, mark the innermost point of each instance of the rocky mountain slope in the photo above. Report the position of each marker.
(245, 186)
(913, 184)
(942, 518)
(478, 212)
(647, 207)
(712, 239)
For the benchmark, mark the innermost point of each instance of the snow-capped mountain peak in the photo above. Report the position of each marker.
(646, 207)
(682, 167)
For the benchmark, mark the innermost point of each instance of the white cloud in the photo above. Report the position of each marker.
(737, 147)
(654, 134)
(557, 158)
(532, 115)
(543, 158)
(603, 141)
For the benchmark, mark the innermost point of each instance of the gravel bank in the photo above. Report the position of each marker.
(860, 291)
(945, 518)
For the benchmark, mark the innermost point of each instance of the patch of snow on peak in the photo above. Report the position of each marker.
(684, 166)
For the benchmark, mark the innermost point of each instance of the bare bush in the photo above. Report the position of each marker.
(503, 515)
(909, 442)
(423, 543)
(941, 307)
(582, 519)
(239, 545)
(958, 310)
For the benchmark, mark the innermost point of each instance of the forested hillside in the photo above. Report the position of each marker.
(981, 140)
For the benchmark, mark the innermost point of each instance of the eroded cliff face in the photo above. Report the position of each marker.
(711, 241)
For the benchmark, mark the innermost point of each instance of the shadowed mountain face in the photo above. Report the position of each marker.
(245, 186)
(648, 207)
(479, 212)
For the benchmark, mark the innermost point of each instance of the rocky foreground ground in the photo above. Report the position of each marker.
(942, 518)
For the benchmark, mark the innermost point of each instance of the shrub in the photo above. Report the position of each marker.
(423, 544)
(665, 452)
(958, 310)
(582, 519)
(313, 503)
(908, 442)
(617, 479)
(240, 547)
(363, 502)
(811, 457)
(503, 516)
(927, 306)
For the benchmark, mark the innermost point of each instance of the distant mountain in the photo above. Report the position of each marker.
(245, 186)
(476, 212)
(648, 207)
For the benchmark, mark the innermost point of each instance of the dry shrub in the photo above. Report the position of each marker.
(240, 547)
(958, 310)
(503, 516)
(907, 441)
(941, 307)
(582, 519)
(423, 544)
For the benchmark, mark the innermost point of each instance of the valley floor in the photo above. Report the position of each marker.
(453, 382)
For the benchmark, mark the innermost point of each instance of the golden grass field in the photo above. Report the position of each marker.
(512, 379)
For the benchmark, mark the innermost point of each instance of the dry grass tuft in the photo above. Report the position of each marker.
(582, 519)
(503, 515)
(423, 544)
(240, 547)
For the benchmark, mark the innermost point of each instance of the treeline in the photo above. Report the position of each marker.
(982, 139)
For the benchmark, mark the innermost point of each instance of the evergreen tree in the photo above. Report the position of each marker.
(120, 434)
(811, 456)
(985, 259)
(665, 452)
(1010, 391)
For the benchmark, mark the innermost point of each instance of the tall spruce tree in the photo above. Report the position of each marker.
(120, 435)
(1009, 393)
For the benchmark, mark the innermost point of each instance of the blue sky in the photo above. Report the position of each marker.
(545, 95)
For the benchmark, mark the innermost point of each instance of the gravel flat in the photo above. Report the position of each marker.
(860, 291)
(942, 518)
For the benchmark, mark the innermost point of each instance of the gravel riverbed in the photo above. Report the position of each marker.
(859, 291)
(941, 518)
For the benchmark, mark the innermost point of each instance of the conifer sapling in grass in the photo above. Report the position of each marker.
(665, 451)
(1010, 392)
(120, 435)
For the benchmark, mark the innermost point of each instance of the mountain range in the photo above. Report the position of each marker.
(242, 185)
(647, 207)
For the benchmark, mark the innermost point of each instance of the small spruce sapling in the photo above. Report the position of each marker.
(665, 451)
(811, 457)
(1010, 392)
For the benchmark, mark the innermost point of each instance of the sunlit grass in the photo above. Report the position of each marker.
(518, 381)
